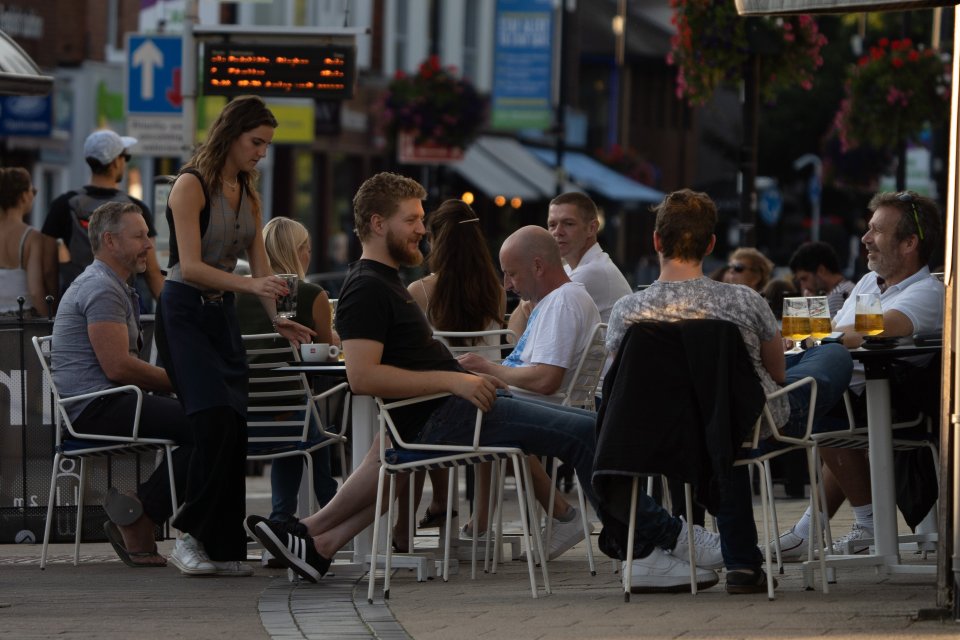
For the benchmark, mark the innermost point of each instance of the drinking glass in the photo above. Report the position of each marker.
(287, 305)
(869, 318)
(819, 318)
(796, 322)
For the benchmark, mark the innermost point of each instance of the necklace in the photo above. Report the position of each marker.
(232, 185)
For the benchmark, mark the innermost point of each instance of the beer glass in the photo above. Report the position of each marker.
(869, 318)
(819, 318)
(287, 305)
(796, 322)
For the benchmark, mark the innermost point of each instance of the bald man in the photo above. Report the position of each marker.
(559, 328)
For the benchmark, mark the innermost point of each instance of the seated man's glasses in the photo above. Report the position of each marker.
(906, 197)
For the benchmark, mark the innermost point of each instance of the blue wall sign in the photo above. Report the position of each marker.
(26, 116)
(523, 63)
(154, 64)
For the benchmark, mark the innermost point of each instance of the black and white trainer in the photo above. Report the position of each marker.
(294, 550)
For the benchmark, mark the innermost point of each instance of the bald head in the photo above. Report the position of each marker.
(533, 242)
(530, 260)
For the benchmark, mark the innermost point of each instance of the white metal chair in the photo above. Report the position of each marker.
(408, 457)
(760, 460)
(73, 445)
(282, 407)
(581, 393)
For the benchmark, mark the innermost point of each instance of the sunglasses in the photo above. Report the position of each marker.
(126, 156)
(907, 198)
(34, 189)
(737, 267)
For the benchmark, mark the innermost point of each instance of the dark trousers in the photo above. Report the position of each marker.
(160, 417)
(216, 484)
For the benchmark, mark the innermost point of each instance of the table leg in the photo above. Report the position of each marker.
(364, 422)
(881, 470)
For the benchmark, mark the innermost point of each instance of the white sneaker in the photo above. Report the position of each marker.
(660, 571)
(706, 552)
(793, 548)
(851, 542)
(232, 568)
(566, 534)
(190, 557)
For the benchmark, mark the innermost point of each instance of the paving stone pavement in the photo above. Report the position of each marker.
(104, 599)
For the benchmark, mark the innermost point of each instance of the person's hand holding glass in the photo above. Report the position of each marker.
(819, 309)
(869, 314)
(796, 322)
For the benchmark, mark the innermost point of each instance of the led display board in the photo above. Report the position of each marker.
(326, 72)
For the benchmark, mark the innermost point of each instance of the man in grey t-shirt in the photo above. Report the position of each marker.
(96, 345)
(683, 236)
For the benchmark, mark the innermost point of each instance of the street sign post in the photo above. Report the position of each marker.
(154, 102)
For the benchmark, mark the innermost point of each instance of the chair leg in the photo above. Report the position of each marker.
(313, 505)
(768, 478)
(168, 451)
(80, 492)
(491, 502)
(389, 549)
(501, 481)
(766, 504)
(688, 504)
(50, 499)
(535, 532)
(586, 530)
(446, 533)
(376, 534)
(631, 533)
(817, 503)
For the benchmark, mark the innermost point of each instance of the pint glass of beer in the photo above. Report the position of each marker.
(819, 317)
(869, 318)
(796, 322)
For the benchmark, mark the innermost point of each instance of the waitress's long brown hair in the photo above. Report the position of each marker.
(468, 294)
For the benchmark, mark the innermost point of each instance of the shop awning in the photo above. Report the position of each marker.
(593, 176)
(777, 7)
(504, 167)
(19, 75)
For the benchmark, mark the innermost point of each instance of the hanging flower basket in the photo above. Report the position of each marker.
(891, 93)
(713, 43)
(434, 107)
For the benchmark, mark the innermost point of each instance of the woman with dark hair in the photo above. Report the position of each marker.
(21, 248)
(461, 293)
(214, 213)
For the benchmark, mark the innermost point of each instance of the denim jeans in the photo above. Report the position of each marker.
(831, 366)
(534, 426)
(285, 474)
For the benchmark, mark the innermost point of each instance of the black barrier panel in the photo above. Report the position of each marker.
(26, 449)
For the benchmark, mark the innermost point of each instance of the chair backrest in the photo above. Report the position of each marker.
(490, 343)
(582, 389)
(44, 348)
(280, 405)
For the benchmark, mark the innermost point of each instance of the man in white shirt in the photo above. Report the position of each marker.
(573, 221)
(546, 355)
(901, 236)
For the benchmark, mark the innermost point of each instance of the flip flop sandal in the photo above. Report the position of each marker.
(116, 541)
(430, 520)
(122, 509)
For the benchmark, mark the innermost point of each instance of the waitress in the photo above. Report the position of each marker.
(214, 213)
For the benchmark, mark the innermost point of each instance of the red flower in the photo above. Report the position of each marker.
(884, 42)
(897, 62)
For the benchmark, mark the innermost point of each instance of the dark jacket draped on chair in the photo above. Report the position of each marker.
(679, 400)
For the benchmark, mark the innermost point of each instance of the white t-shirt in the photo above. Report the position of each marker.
(920, 297)
(603, 280)
(557, 333)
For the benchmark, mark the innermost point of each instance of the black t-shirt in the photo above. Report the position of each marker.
(58, 224)
(374, 305)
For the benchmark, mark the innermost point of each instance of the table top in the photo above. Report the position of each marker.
(878, 363)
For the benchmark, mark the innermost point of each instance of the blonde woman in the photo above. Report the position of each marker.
(288, 250)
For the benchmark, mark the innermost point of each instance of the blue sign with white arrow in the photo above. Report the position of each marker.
(154, 63)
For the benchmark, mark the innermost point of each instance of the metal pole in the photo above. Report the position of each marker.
(561, 119)
(188, 79)
(748, 151)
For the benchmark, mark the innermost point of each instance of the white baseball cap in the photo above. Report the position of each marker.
(105, 146)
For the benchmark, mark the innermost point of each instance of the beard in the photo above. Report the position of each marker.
(400, 253)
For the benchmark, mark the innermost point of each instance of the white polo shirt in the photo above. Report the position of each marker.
(602, 278)
(920, 297)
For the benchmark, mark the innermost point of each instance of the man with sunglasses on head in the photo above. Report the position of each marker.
(901, 236)
(107, 155)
